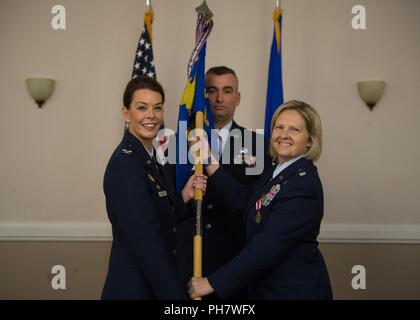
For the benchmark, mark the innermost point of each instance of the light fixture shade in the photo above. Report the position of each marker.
(40, 89)
(371, 91)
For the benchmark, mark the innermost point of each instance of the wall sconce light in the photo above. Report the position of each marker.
(40, 89)
(371, 92)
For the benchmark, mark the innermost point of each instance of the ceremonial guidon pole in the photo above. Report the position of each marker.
(204, 26)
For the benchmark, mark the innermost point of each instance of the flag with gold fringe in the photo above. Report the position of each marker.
(275, 82)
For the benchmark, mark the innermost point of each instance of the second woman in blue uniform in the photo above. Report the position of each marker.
(283, 213)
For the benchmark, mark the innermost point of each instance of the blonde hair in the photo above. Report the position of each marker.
(312, 124)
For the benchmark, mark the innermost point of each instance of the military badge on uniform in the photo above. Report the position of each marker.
(151, 178)
(163, 193)
(265, 200)
(269, 196)
(126, 151)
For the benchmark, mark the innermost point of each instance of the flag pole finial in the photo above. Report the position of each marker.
(148, 3)
(277, 3)
(204, 9)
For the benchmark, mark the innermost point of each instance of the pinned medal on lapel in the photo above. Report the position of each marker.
(302, 173)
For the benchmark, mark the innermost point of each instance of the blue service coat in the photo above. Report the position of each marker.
(281, 259)
(140, 202)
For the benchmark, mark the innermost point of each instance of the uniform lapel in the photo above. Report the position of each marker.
(162, 179)
(150, 167)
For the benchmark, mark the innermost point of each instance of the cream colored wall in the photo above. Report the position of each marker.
(53, 159)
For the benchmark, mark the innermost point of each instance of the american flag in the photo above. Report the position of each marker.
(143, 62)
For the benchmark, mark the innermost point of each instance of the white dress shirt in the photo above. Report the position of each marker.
(281, 167)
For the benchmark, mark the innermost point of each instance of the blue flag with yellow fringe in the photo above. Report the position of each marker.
(275, 82)
(193, 100)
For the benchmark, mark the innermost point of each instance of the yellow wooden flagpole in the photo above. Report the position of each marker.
(203, 12)
(198, 197)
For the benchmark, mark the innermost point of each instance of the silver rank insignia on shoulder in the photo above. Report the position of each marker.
(126, 151)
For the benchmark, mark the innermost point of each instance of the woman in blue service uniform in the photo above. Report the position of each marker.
(283, 213)
(142, 205)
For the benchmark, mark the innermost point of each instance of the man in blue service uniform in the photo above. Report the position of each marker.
(222, 229)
